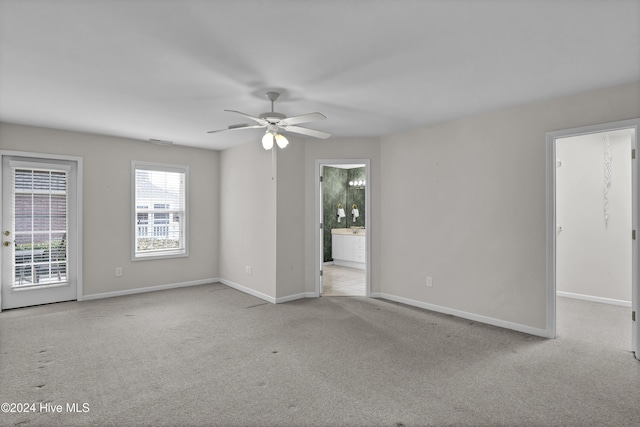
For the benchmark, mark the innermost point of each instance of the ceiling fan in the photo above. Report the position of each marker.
(274, 122)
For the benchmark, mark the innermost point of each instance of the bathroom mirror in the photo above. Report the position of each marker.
(356, 197)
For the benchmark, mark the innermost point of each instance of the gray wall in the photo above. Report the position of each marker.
(290, 256)
(262, 219)
(477, 223)
(248, 219)
(107, 206)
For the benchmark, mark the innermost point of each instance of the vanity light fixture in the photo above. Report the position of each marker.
(358, 183)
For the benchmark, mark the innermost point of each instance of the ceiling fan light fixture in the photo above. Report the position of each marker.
(267, 141)
(281, 140)
(274, 122)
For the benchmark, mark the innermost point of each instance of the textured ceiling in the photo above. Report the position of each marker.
(167, 69)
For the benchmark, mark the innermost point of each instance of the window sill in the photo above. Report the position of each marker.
(159, 255)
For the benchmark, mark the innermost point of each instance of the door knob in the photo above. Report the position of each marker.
(7, 243)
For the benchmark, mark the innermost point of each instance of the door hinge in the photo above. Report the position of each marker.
(633, 234)
(633, 316)
(321, 226)
(320, 273)
(633, 153)
(321, 178)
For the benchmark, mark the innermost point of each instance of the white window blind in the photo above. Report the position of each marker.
(160, 210)
(39, 206)
(40, 227)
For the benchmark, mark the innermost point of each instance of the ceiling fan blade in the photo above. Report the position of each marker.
(308, 132)
(305, 118)
(257, 119)
(240, 126)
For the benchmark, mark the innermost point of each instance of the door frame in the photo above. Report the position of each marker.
(319, 241)
(551, 138)
(78, 202)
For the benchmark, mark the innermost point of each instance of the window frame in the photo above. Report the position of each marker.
(160, 254)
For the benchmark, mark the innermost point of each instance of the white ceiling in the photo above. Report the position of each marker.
(167, 69)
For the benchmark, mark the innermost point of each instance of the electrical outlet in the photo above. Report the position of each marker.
(247, 269)
(118, 271)
(429, 281)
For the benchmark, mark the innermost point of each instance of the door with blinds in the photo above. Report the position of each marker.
(39, 233)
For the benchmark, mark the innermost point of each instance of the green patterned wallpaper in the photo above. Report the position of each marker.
(355, 195)
(335, 191)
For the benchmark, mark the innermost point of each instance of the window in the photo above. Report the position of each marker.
(159, 219)
(39, 200)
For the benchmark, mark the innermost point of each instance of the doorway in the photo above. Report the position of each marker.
(344, 216)
(40, 229)
(591, 221)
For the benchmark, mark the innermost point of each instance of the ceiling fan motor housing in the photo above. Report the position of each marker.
(272, 117)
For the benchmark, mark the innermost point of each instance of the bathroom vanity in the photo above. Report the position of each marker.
(348, 247)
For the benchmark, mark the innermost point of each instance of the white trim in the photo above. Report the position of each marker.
(302, 295)
(36, 165)
(550, 290)
(161, 254)
(79, 161)
(162, 167)
(465, 315)
(266, 297)
(246, 290)
(13, 153)
(592, 298)
(150, 289)
(551, 293)
(318, 252)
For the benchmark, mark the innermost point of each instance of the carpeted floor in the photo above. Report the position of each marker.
(212, 356)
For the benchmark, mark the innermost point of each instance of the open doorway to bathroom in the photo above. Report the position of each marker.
(343, 211)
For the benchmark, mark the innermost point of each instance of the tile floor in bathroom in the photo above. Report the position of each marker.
(343, 281)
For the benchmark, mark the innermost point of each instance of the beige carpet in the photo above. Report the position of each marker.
(212, 356)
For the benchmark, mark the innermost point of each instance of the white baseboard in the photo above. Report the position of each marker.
(440, 309)
(249, 291)
(147, 289)
(295, 297)
(463, 314)
(594, 298)
(266, 297)
(226, 282)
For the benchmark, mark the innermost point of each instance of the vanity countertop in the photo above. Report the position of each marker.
(349, 231)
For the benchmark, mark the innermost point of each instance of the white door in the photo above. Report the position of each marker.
(39, 234)
(635, 253)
